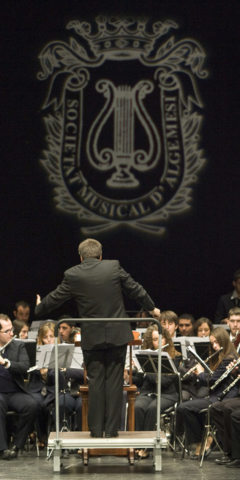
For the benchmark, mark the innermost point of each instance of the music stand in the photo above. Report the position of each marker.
(202, 348)
(148, 359)
(178, 347)
(190, 342)
(30, 346)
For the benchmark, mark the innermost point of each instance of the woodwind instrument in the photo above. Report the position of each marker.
(225, 375)
(6, 344)
(194, 367)
(228, 389)
(31, 369)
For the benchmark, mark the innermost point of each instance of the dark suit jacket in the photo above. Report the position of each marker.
(224, 305)
(17, 354)
(97, 289)
(148, 385)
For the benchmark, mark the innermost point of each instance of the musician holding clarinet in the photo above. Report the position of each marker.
(14, 363)
(208, 376)
(225, 413)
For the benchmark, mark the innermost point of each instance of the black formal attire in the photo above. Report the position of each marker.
(43, 391)
(189, 411)
(146, 402)
(226, 302)
(221, 415)
(97, 289)
(235, 433)
(14, 395)
(191, 387)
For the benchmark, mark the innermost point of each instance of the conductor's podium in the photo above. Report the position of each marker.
(125, 440)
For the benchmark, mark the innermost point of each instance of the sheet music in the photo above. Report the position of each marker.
(149, 358)
(77, 359)
(135, 349)
(46, 358)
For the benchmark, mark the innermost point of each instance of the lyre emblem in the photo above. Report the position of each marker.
(125, 105)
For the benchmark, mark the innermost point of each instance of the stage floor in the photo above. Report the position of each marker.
(29, 466)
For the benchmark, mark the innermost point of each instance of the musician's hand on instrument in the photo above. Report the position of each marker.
(2, 360)
(231, 365)
(199, 369)
(38, 299)
(155, 313)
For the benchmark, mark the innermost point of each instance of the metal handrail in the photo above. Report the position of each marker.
(132, 320)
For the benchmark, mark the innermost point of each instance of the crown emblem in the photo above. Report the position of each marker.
(121, 37)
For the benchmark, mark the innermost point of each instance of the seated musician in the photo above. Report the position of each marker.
(14, 363)
(20, 329)
(74, 377)
(146, 402)
(225, 414)
(191, 387)
(42, 385)
(202, 327)
(189, 411)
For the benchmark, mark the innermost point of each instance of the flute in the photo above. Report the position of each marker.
(194, 367)
(225, 375)
(228, 389)
(6, 344)
(31, 369)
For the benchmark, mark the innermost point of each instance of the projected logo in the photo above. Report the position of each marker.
(123, 119)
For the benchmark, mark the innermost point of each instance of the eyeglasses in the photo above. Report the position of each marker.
(8, 331)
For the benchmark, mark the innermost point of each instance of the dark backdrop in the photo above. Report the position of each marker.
(188, 268)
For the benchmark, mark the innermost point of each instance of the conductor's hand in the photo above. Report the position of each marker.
(155, 313)
(38, 299)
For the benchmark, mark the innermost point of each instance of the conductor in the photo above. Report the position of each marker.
(96, 285)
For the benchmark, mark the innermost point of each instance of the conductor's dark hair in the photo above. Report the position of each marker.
(90, 248)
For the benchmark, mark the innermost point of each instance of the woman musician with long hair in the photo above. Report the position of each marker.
(42, 386)
(146, 401)
(191, 388)
(189, 411)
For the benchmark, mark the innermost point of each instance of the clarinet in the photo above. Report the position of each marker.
(228, 389)
(225, 375)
